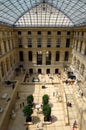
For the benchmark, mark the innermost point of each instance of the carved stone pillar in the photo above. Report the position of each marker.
(44, 58)
(53, 57)
(34, 61)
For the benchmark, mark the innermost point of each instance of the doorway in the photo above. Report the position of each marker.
(48, 71)
(30, 71)
(39, 71)
(56, 71)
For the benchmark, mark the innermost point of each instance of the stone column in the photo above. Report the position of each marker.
(7, 45)
(34, 59)
(53, 57)
(24, 40)
(61, 56)
(2, 46)
(5, 68)
(83, 47)
(78, 49)
(44, 58)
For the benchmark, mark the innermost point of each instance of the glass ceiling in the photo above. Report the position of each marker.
(44, 15)
(43, 12)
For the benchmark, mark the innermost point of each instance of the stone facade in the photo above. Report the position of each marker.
(43, 50)
(43, 44)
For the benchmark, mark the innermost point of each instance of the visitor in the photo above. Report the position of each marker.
(75, 124)
(69, 104)
(53, 94)
(80, 93)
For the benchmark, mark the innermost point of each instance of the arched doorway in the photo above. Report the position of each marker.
(48, 71)
(31, 71)
(39, 71)
(56, 71)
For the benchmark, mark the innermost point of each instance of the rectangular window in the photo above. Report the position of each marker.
(58, 42)
(66, 56)
(49, 42)
(29, 32)
(39, 32)
(48, 58)
(68, 33)
(57, 55)
(67, 42)
(29, 42)
(39, 58)
(20, 42)
(59, 33)
(19, 32)
(30, 55)
(21, 57)
(39, 42)
(49, 32)
(82, 33)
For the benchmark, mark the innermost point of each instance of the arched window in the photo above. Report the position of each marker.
(58, 42)
(30, 55)
(31, 71)
(48, 58)
(67, 42)
(39, 42)
(66, 56)
(21, 56)
(29, 42)
(39, 58)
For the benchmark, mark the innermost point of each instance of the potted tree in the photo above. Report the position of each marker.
(27, 110)
(30, 100)
(45, 99)
(47, 112)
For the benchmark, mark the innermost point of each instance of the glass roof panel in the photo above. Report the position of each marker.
(74, 10)
(44, 14)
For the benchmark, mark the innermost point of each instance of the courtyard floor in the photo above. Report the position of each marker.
(58, 113)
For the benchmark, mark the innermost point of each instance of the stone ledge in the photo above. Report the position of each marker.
(47, 122)
(28, 123)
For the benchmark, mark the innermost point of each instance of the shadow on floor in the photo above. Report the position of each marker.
(36, 119)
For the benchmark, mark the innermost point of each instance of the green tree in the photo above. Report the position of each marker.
(30, 100)
(27, 110)
(47, 112)
(45, 99)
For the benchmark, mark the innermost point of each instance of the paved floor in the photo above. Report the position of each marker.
(58, 119)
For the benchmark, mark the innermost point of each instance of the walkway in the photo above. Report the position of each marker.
(58, 122)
